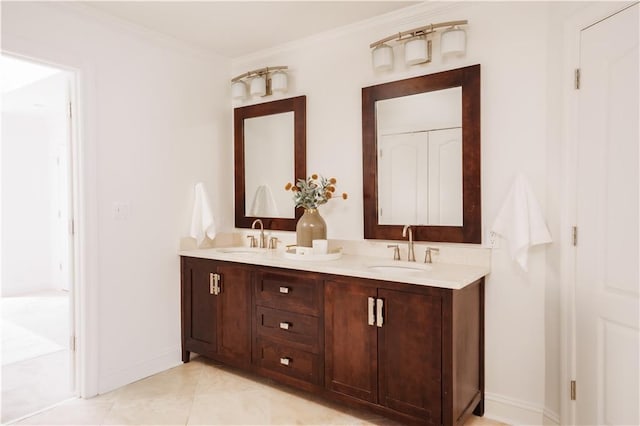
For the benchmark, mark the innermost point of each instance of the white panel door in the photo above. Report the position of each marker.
(445, 177)
(402, 179)
(607, 286)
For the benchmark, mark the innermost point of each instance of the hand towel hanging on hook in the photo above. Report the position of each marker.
(521, 222)
(202, 221)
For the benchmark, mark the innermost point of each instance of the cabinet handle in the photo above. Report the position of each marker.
(371, 316)
(379, 318)
(285, 325)
(214, 284)
(284, 290)
(285, 360)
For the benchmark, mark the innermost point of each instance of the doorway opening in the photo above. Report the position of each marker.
(36, 232)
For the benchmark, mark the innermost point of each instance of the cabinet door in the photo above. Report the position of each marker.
(198, 308)
(350, 341)
(234, 314)
(410, 354)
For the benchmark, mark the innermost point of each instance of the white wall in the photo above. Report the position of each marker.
(155, 121)
(331, 69)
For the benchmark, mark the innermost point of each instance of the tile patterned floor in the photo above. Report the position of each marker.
(205, 393)
(35, 359)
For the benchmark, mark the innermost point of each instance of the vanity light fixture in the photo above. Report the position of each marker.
(453, 41)
(417, 50)
(258, 86)
(417, 44)
(239, 90)
(262, 82)
(382, 57)
(279, 82)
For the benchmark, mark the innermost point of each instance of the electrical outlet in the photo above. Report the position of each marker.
(493, 240)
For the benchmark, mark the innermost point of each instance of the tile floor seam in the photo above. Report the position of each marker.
(193, 397)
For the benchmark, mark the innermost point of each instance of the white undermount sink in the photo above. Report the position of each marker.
(404, 268)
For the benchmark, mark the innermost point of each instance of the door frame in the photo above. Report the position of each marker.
(573, 27)
(83, 165)
(70, 152)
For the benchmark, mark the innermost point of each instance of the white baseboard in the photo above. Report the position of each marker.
(111, 380)
(517, 412)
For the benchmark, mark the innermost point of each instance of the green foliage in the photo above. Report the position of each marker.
(313, 191)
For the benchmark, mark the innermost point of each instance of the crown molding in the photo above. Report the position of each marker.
(135, 30)
(408, 16)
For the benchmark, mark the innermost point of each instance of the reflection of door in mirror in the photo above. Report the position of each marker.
(420, 159)
(269, 165)
(411, 193)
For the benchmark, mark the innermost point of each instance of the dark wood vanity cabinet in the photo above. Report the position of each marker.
(288, 338)
(394, 340)
(216, 310)
(411, 352)
(394, 347)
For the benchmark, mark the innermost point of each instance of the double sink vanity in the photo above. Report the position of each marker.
(403, 339)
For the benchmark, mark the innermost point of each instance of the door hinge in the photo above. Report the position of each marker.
(576, 79)
(72, 227)
(72, 343)
(70, 111)
(574, 236)
(573, 390)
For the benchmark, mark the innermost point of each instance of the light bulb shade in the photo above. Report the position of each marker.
(415, 51)
(382, 57)
(238, 90)
(453, 42)
(258, 86)
(279, 82)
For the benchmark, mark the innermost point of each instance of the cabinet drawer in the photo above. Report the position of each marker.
(298, 330)
(287, 360)
(289, 292)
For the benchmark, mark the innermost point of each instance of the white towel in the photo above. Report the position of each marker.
(202, 222)
(264, 205)
(520, 221)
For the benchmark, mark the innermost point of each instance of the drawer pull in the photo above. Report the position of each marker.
(285, 361)
(214, 284)
(284, 290)
(285, 325)
(379, 318)
(371, 316)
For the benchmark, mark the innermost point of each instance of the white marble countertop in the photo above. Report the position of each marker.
(442, 275)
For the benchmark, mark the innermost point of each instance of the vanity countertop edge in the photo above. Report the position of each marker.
(441, 275)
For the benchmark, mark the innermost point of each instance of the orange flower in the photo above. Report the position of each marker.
(313, 191)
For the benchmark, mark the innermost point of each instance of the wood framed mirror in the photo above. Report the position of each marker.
(269, 151)
(421, 157)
